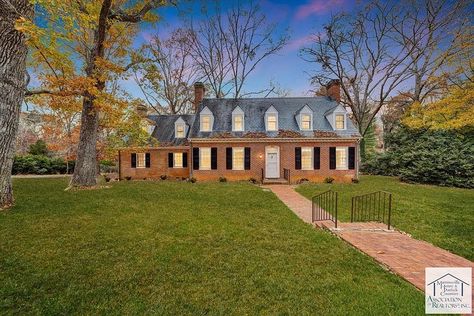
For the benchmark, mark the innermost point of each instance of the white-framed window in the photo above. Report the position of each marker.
(178, 160)
(307, 158)
(206, 123)
(180, 129)
(272, 122)
(306, 122)
(238, 158)
(237, 122)
(205, 158)
(340, 121)
(141, 160)
(341, 158)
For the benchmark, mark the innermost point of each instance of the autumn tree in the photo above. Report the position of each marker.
(453, 112)
(13, 83)
(85, 46)
(227, 47)
(380, 50)
(167, 75)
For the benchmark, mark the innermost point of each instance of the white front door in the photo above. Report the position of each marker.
(272, 162)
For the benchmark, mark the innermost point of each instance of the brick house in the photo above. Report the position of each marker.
(267, 139)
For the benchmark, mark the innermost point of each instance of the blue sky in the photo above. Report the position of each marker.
(302, 17)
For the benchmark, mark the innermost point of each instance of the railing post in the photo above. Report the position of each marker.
(389, 209)
(335, 223)
(352, 210)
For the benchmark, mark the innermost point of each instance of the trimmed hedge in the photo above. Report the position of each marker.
(39, 164)
(432, 157)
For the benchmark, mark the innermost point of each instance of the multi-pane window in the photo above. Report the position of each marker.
(238, 122)
(205, 158)
(305, 121)
(206, 123)
(272, 122)
(306, 158)
(341, 158)
(141, 163)
(340, 121)
(178, 160)
(180, 130)
(238, 158)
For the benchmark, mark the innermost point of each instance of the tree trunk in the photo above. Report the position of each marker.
(85, 170)
(13, 52)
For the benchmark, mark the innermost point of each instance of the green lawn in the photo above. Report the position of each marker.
(181, 248)
(440, 215)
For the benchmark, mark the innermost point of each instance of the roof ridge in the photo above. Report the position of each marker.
(268, 98)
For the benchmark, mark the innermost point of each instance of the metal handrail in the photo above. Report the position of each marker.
(372, 207)
(324, 207)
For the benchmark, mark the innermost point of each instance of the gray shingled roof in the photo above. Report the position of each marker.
(254, 115)
(164, 130)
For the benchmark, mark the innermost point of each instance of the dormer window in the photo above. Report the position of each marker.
(205, 123)
(340, 121)
(272, 122)
(237, 120)
(206, 120)
(271, 119)
(179, 128)
(306, 121)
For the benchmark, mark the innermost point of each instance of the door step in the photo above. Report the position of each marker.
(275, 181)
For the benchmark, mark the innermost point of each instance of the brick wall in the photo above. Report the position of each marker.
(287, 160)
(158, 164)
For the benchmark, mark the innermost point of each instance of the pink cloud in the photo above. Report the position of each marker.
(298, 43)
(317, 7)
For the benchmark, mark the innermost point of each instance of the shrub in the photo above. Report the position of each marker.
(107, 179)
(39, 148)
(432, 157)
(303, 180)
(128, 178)
(328, 180)
(38, 164)
(222, 179)
(163, 177)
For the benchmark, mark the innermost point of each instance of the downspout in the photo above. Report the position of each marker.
(190, 163)
(358, 159)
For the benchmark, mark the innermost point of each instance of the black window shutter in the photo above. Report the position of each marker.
(196, 158)
(332, 157)
(317, 158)
(351, 157)
(147, 160)
(228, 158)
(170, 160)
(298, 158)
(247, 158)
(185, 160)
(214, 158)
(134, 160)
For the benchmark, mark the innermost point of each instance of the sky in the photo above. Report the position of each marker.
(286, 68)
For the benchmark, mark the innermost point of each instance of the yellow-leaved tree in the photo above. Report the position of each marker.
(455, 111)
(80, 49)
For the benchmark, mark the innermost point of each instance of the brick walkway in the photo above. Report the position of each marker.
(405, 256)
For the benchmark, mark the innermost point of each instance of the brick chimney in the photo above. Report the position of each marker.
(199, 91)
(333, 90)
